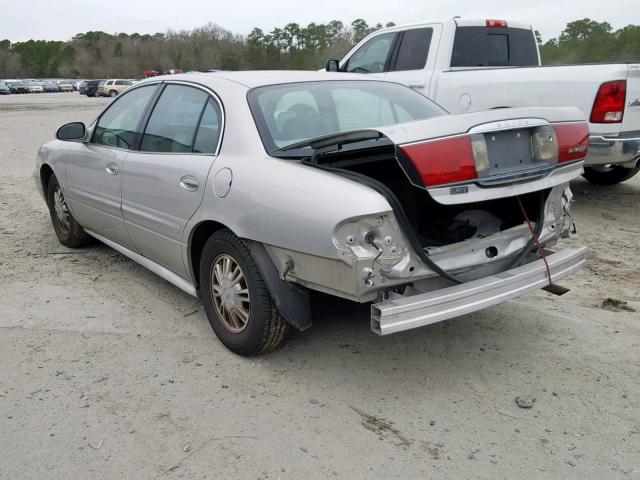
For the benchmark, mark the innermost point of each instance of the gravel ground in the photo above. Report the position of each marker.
(110, 372)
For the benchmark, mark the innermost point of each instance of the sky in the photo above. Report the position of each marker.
(61, 19)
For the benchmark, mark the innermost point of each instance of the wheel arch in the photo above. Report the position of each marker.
(45, 174)
(292, 302)
(197, 239)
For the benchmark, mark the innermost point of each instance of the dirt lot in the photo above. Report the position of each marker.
(110, 372)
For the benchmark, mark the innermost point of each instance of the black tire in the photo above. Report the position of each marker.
(264, 329)
(68, 230)
(113, 93)
(609, 174)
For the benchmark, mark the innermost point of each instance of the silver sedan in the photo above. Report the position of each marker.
(253, 189)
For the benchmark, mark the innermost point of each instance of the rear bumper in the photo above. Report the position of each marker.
(616, 150)
(404, 312)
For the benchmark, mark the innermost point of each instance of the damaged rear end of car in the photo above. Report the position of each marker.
(477, 201)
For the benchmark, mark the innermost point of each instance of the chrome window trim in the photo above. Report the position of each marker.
(207, 90)
(94, 124)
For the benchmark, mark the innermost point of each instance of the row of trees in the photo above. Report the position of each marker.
(586, 41)
(99, 54)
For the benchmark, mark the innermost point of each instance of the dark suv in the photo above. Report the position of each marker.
(89, 88)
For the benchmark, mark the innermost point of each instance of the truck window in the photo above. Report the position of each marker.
(414, 48)
(372, 56)
(488, 47)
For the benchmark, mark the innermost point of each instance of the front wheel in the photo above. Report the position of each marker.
(68, 230)
(239, 307)
(113, 93)
(608, 174)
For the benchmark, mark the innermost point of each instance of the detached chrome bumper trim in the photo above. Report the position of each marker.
(406, 312)
(604, 150)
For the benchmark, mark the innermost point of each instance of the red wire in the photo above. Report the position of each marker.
(535, 239)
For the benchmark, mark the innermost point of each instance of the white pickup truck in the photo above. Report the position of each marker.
(472, 65)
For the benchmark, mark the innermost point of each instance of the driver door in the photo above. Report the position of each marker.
(94, 169)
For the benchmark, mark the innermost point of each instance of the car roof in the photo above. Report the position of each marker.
(258, 78)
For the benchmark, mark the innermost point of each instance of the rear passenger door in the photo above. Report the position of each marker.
(413, 58)
(164, 180)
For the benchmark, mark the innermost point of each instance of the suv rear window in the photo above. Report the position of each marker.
(490, 47)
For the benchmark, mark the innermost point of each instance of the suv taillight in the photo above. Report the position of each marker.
(609, 104)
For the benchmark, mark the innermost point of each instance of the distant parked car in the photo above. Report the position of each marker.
(4, 89)
(65, 87)
(34, 87)
(90, 88)
(113, 87)
(50, 87)
(19, 87)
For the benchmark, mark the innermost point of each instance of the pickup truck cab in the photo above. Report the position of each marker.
(474, 65)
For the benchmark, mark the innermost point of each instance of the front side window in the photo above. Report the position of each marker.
(117, 127)
(413, 51)
(372, 56)
(175, 119)
(295, 112)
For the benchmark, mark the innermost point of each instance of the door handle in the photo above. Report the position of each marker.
(112, 169)
(189, 183)
(417, 86)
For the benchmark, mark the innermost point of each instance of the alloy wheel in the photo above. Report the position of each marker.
(62, 210)
(230, 293)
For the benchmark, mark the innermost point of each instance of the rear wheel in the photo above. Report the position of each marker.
(239, 307)
(68, 230)
(608, 174)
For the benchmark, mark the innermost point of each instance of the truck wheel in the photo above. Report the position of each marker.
(239, 307)
(68, 230)
(113, 93)
(608, 174)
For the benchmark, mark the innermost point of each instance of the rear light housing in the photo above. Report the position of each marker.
(441, 162)
(609, 104)
(465, 158)
(573, 141)
(492, 23)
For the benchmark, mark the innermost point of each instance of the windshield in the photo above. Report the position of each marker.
(294, 112)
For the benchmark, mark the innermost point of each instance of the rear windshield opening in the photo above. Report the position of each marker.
(290, 113)
(493, 47)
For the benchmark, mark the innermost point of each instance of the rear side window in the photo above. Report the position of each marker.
(174, 121)
(488, 47)
(208, 134)
(414, 48)
(117, 127)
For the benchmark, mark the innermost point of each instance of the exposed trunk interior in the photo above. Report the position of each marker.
(434, 223)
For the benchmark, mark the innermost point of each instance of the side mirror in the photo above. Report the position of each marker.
(332, 65)
(71, 131)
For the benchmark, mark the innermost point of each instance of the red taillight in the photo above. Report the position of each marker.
(609, 104)
(496, 23)
(443, 161)
(573, 141)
